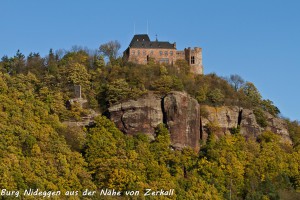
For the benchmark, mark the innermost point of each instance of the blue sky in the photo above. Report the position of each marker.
(259, 40)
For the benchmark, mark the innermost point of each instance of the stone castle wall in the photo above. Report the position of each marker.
(141, 50)
(168, 56)
(180, 55)
(142, 55)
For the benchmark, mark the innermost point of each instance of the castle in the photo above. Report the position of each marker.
(141, 50)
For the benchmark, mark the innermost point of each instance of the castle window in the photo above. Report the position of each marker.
(192, 59)
(166, 53)
(151, 53)
(144, 53)
(164, 60)
(133, 52)
(138, 52)
(161, 53)
(171, 53)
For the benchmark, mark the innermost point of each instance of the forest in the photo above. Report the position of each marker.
(38, 151)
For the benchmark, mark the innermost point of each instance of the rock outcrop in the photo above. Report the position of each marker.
(278, 126)
(181, 113)
(177, 110)
(229, 118)
(182, 116)
(138, 116)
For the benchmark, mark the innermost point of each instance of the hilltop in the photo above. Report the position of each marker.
(38, 151)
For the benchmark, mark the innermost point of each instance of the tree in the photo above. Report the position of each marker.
(294, 131)
(78, 75)
(236, 81)
(34, 64)
(216, 96)
(268, 106)
(110, 50)
(260, 117)
(201, 94)
(14, 65)
(183, 66)
(19, 62)
(252, 93)
(117, 91)
(6, 64)
(51, 62)
(98, 61)
(163, 85)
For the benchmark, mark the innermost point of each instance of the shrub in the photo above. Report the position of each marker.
(260, 117)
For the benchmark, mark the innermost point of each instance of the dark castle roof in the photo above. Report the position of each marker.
(143, 41)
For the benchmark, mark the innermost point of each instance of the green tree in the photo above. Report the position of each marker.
(18, 62)
(98, 61)
(35, 64)
(52, 63)
(78, 75)
(15, 64)
(260, 117)
(161, 146)
(216, 96)
(110, 50)
(166, 84)
(119, 90)
(294, 131)
(268, 106)
(202, 93)
(252, 94)
(183, 66)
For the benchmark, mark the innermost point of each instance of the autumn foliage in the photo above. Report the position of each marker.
(38, 151)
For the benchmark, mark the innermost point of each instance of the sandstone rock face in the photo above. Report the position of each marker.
(224, 117)
(138, 116)
(177, 110)
(279, 127)
(182, 116)
(248, 124)
(230, 117)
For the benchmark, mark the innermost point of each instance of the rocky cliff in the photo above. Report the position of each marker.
(229, 118)
(181, 114)
(138, 116)
(177, 110)
(182, 117)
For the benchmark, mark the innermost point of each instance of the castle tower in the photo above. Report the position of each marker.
(194, 58)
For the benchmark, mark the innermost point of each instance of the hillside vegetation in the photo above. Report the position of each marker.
(37, 151)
